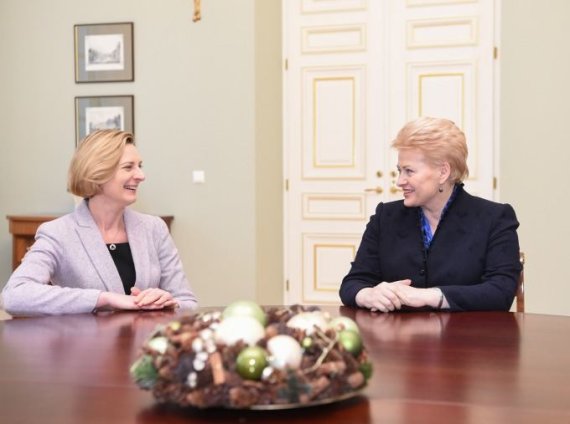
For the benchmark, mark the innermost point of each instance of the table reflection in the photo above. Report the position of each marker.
(75, 367)
(443, 357)
(341, 412)
(80, 362)
(401, 327)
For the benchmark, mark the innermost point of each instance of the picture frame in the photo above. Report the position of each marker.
(104, 52)
(103, 112)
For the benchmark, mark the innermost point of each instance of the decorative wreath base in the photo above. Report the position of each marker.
(184, 363)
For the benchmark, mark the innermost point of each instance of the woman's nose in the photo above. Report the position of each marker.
(401, 180)
(139, 175)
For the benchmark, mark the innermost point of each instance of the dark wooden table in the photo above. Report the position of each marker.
(428, 368)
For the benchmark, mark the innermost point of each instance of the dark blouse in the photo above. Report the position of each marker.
(123, 258)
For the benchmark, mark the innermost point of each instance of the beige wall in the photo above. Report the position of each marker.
(535, 143)
(208, 96)
(195, 94)
(268, 153)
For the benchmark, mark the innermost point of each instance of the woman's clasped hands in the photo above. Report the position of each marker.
(388, 297)
(153, 298)
(147, 299)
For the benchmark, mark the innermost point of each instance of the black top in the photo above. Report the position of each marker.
(473, 257)
(123, 258)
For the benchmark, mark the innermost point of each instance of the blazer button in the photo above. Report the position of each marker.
(422, 271)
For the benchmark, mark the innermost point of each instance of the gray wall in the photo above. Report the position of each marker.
(208, 96)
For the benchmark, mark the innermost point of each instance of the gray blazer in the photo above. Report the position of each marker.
(70, 253)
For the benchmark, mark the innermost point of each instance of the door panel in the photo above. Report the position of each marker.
(324, 258)
(356, 71)
(333, 125)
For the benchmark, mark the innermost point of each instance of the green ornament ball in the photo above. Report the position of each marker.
(175, 325)
(250, 362)
(343, 323)
(366, 369)
(143, 373)
(350, 341)
(245, 308)
(306, 343)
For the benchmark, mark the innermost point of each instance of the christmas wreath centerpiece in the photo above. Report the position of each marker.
(251, 357)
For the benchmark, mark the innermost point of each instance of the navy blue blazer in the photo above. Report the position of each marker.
(473, 257)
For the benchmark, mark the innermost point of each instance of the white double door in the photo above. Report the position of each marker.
(355, 72)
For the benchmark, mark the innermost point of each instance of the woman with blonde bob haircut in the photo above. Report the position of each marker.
(440, 141)
(439, 247)
(103, 255)
(96, 161)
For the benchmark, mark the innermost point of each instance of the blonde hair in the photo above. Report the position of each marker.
(96, 160)
(439, 140)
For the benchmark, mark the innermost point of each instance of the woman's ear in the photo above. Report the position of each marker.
(445, 172)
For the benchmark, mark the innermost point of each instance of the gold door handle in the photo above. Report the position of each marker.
(394, 189)
(377, 189)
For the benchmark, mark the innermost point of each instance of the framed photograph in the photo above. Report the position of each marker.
(102, 112)
(104, 52)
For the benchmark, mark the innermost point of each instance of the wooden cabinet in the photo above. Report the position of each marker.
(23, 229)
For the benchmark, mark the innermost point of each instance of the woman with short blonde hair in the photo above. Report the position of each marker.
(103, 255)
(96, 160)
(439, 247)
(439, 140)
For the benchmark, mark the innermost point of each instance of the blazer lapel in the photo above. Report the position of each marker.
(96, 249)
(139, 244)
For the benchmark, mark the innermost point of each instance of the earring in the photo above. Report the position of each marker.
(440, 189)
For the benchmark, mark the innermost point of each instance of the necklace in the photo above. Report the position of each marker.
(113, 246)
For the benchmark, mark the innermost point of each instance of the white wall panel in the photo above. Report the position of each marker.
(324, 6)
(333, 133)
(415, 3)
(326, 257)
(333, 39)
(427, 33)
(333, 206)
(446, 90)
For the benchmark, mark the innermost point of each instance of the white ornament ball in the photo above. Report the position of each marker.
(158, 344)
(284, 352)
(233, 329)
(308, 321)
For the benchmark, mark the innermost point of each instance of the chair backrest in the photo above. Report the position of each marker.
(520, 285)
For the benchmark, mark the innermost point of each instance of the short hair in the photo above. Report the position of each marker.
(96, 160)
(439, 140)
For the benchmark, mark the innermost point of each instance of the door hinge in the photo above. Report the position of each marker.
(287, 285)
(495, 52)
(287, 184)
(495, 183)
(286, 64)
